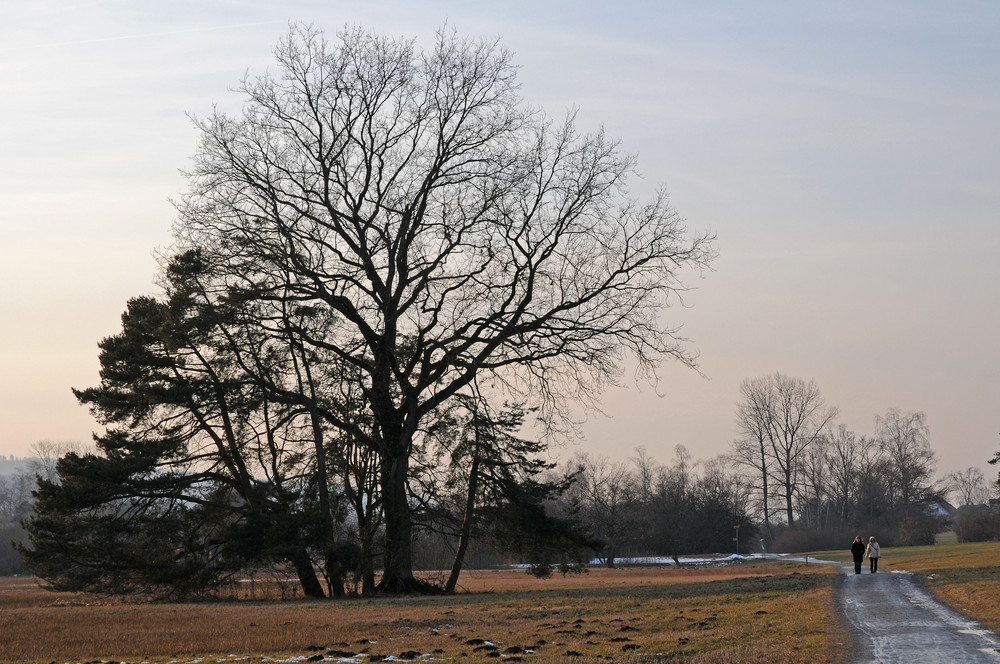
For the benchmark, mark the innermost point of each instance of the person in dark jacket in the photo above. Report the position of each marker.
(858, 551)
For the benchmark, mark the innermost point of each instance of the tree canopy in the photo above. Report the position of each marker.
(380, 232)
(448, 231)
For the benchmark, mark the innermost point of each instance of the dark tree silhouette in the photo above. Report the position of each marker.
(450, 231)
(199, 472)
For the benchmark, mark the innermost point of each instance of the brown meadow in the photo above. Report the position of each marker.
(761, 611)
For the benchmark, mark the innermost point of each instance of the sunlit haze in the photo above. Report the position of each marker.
(847, 155)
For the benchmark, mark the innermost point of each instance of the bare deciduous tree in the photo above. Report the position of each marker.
(452, 232)
(969, 485)
(751, 450)
(781, 417)
(905, 437)
(608, 492)
(842, 460)
(814, 491)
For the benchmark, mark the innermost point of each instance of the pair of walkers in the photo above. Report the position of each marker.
(860, 552)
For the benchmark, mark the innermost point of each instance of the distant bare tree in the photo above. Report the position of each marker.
(15, 497)
(873, 493)
(607, 492)
(815, 487)
(16, 488)
(969, 485)
(751, 450)
(905, 437)
(45, 454)
(783, 416)
(646, 471)
(842, 459)
(669, 519)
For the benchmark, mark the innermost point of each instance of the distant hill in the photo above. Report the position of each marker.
(12, 466)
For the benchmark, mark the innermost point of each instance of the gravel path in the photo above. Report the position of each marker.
(895, 619)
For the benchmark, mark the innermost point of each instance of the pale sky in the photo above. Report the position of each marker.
(846, 154)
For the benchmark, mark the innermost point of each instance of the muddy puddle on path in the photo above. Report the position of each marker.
(895, 619)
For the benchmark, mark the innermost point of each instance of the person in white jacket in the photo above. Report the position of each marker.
(872, 552)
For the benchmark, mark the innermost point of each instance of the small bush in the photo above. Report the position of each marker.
(919, 527)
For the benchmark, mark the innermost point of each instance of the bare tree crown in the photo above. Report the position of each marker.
(450, 227)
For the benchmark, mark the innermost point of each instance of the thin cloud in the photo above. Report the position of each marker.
(146, 35)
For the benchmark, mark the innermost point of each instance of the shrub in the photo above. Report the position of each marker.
(977, 523)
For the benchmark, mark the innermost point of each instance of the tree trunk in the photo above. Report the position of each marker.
(466, 533)
(360, 497)
(307, 574)
(765, 489)
(336, 586)
(789, 490)
(365, 531)
(397, 574)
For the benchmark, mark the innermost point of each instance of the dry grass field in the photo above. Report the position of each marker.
(763, 611)
(965, 576)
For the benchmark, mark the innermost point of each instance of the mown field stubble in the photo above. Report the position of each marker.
(751, 612)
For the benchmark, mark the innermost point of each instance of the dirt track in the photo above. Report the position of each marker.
(894, 618)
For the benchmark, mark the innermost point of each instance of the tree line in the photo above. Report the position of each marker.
(602, 509)
(809, 472)
(641, 507)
